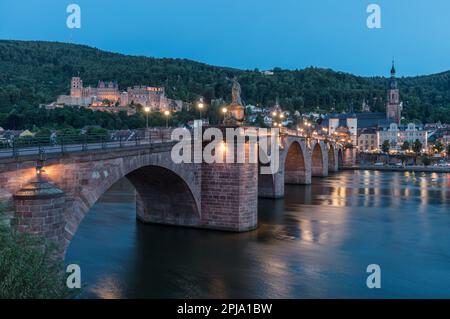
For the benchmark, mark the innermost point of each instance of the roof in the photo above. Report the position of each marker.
(368, 130)
(26, 133)
(365, 119)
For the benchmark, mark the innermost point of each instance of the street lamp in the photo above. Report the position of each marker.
(147, 111)
(167, 113)
(200, 106)
(224, 112)
(40, 167)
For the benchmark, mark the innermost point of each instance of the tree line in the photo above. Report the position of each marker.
(34, 72)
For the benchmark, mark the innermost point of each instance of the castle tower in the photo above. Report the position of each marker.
(393, 104)
(76, 87)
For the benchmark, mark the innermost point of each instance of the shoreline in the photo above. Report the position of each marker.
(430, 169)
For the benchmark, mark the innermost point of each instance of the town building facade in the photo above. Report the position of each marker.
(398, 134)
(367, 140)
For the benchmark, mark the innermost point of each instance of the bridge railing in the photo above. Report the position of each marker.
(67, 143)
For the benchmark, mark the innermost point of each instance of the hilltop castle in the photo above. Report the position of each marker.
(147, 96)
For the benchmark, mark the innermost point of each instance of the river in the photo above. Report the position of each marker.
(315, 243)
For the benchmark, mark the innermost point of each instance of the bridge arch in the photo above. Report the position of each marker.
(319, 159)
(163, 197)
(295, 165)
(166, 192)
(294, 168)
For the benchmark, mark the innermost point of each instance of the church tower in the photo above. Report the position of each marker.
(393, 104)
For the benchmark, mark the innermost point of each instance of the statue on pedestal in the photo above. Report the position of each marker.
(236, 93)
(235, 114)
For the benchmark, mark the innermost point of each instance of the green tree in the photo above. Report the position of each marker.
(28, 267)
(97, 134)
(385, 146)
(33, 72)
(417, 147)
(385, 149)
(43, 134)
(405, 146)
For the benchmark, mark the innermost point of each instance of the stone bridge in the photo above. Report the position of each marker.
(219, 196)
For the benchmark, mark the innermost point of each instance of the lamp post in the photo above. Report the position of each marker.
(167, 113)
(224, 112)
(281, 116)
(147, 111)
(39, 168)
(200, 106)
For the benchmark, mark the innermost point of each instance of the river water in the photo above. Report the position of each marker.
(315, 243)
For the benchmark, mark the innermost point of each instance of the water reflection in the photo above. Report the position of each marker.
(316, 242)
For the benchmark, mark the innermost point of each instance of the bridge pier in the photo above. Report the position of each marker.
(39, 210)
(271, 186)
(333, 159)
(229, 195)
(297, 165)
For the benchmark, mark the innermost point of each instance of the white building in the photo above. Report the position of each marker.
(397, 135)
(348, 121)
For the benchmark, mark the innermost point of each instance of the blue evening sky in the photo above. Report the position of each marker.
(250, 33)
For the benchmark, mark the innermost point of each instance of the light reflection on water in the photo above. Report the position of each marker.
(316, 242)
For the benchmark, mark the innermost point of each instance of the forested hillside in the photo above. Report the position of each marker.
(33, 72)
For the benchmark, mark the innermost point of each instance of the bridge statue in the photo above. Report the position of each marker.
(236, 93)
(235, 116)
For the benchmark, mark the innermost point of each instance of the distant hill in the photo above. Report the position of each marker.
(33, 72)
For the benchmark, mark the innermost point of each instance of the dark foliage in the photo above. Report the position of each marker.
(29, 268)
(33, 72)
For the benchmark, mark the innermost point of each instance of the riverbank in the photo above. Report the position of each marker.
(435, 169)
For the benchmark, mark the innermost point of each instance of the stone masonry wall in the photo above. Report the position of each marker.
(230, 195)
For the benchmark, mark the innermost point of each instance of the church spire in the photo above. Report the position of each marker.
(393, 68)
